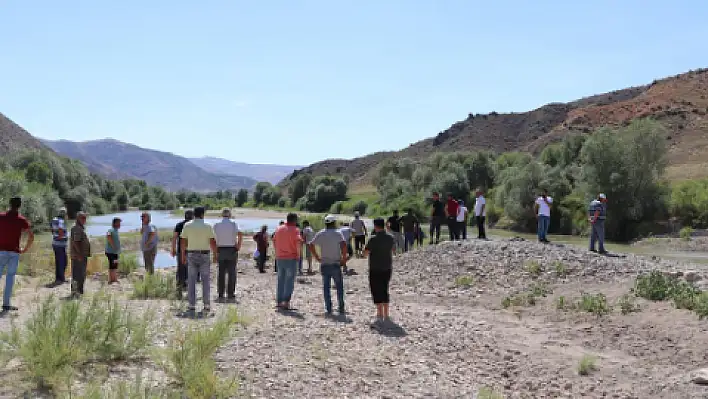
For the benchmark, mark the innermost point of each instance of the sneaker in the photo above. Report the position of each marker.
(7, 308)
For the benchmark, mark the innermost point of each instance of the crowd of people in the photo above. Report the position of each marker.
(197, 244)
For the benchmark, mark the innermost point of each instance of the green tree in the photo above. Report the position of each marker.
(299, 187)
(241, 197)
(39, 172)
(259, 190)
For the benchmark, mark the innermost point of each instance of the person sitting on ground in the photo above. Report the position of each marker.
(333, 260)
(12, 225)
(380, 250)
(113, 250)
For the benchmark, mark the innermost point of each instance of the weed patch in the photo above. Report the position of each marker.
(533, 268)
(528, 297)
(136, 389)
(656, 286)
(154, 286)
(627, 304)
(464, 281)
(560, 268)
(595, 304)
(127, 264)
(587, 365)
(488, 393)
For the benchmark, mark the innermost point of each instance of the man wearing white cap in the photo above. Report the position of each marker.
(228, 242)
(332, 260)
(597, 213)
(59, 242)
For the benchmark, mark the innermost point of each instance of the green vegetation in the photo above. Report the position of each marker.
(488, 393)
(689, 203)
(154, 286)
(127, 264)
(595, 304)
(627, 304)
(533, 268)
(528, 297)
(587, 365)
(464, 281)
(686, 233)
(61, 339)
(191, 358)
(560, 268)
(657, 286)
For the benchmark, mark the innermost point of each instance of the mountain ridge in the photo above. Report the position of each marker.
(272, 173)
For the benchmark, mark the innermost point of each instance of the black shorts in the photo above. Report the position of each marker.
(359, 242)
(112, 261)
(378, 282)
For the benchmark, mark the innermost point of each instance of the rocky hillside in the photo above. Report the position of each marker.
(115, 159)
(679, 102)
(260, 172)
(13, 137)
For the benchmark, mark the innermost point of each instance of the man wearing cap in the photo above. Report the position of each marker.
(288, 244)
(359, 228)
(597, 213)
(197, 239)
(113, 250)
(177, 251)
(332, 260)
(148, 242)
(80, 252)
(12, 225)
(228, 242)
(59, 239)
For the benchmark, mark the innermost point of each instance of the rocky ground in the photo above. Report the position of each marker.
(694, 244)
(451, 336)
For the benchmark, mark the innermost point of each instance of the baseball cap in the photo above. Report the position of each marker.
(603, 196)
(226, 212)
(62, 210)
(330, 219)
(356, 214)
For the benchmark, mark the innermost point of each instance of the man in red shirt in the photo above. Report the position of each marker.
(451, 211)
(288, 244)
(12, 225)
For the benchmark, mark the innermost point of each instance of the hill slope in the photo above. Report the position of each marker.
(260, 172)
(679, 102)
(13, 137)
(115, 159)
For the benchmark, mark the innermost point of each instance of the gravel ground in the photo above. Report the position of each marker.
(450, 336)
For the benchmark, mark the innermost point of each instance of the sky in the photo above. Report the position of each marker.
(298, 81)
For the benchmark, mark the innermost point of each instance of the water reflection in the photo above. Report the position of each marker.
(163, 260)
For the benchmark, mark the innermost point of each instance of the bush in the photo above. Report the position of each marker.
(154, 286)
(62, 337)
(686, 233)
(337, 207)
(587, 365)
(689, 203)
(360, 206)
(127, 264)
(283, 202)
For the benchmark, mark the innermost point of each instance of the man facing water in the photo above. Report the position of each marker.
(332, 260)
(359, 229)
(148, 242)
(597, 213)
(197, 240)
(59, 242)
(80, 252)
(177, 251)
(288, 243)
(228, 242)
(12, 225)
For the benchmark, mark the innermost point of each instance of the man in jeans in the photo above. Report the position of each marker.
(12, 225)
(148, 242)
(80, 252)
(228, 242)
(59, 239)
(288, 244)
(597, 214)
(410, 225)
(332, 260)
(480, 214)
(543, 214)
(197, 239)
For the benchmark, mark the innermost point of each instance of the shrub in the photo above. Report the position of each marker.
(627, 304)
(191, 358)
(488, 393)
(686, 233)
(533, 267)
(337, 207)
(62, 337)
(154, 286)
(136, 389)
(464, 281)
(587, 365)
(127, 264)
(654, 286)
(560, 268)
(595, 304)
(360, 206)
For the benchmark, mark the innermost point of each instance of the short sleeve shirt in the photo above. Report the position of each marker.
(308, 234)
(287, 242)
(79, 237)
(478, 204)
(115, 249)
(146, 245)
(438, 209)
(358, 227)
(198, 234)
(409, 222)
(12, 224)
(178, 230)
(346, 232)
(330, 243)
(544, 209)
(380, 248)
(395, 223)
(58, 224)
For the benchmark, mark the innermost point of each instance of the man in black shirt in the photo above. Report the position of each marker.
(380, 250)
(394, 226)
(177, 249)
(410, 224)
(437, 217)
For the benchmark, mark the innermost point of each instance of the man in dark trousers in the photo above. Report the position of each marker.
(380, 250)
(451, 210)
(80, 252)
(177, 250)
(228, 242)
(480, 214)
(59, 239)
(436, 218)
(12, 225)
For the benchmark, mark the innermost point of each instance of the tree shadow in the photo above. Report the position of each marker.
(390, 328)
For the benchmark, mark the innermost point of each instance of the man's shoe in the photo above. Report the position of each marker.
(592, 250)
(231, 299)
(7, 308)
(342, 311)
(220, 299)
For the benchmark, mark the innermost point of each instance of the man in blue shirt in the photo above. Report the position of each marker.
(148, 242)
(59, 241)
(597, 212)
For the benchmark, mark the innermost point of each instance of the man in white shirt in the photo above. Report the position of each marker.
(228, 242)
(543, 214)
(480, 214)
(462, 219)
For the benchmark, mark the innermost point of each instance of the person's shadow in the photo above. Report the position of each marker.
(4, 313)
(339, 318)
(291, 313)
(390, 328)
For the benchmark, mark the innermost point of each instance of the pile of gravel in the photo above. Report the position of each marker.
(509, 264)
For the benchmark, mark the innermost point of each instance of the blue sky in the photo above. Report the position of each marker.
(294, 82)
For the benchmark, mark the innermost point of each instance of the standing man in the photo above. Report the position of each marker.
(80, 252)
(359, 228)
(197, 239)
(307, 235)
(275, 250)
(332, 260)
(451, 211)
(113, 250)
(410, 227)
(543, 214)
(12, 225)
(462, 219)
(228, 242)
(480, 214)
(261, 239)
(394, 226)
(347, 234)
(288, 244)
(59, 239)
(380, 250)
(597, 214)
(148, 242)
(436, 218)
(177, 252)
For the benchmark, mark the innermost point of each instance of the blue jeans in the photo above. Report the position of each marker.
(11, 260)
(332, 271)
(543, 223)
(60, 262)
(286, 279)
(410, 239)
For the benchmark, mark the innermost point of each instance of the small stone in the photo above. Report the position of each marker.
(700, 376)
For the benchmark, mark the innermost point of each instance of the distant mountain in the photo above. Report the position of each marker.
(260, 172)
(14, 138)
(118, 160)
